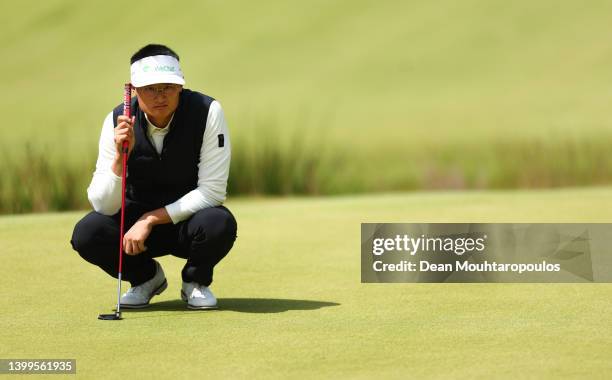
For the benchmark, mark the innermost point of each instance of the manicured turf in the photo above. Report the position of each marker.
(292, 304)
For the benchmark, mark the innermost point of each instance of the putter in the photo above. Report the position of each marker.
(127, 98)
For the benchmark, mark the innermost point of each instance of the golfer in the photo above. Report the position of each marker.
(178, 165)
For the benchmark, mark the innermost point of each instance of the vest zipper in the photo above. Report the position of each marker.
(153, 146)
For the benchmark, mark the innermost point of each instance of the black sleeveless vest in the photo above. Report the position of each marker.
(155, 180)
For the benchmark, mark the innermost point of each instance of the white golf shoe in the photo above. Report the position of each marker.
(139, 296)
(198, 296)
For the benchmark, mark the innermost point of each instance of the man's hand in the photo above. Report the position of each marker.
(124, 132)
(134, 239)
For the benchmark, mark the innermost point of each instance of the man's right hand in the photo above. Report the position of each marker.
(124, 131)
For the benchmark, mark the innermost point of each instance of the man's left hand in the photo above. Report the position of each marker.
(134, 239)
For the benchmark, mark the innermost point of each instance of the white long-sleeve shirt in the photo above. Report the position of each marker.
(104, 191)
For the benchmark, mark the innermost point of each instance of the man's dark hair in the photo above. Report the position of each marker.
(151, 50)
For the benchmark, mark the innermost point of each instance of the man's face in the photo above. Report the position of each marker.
(159, 101)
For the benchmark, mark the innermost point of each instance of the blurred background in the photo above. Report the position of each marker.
(321, 97)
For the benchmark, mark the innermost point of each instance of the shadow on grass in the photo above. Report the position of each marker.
(241, 305)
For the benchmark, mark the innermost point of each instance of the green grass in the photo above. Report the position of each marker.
(272, 165)
(292, 304)
(373, 72)
(406, 95)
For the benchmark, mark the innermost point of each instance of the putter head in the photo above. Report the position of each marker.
(110, 317)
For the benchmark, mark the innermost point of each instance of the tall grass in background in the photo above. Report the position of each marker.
(519, 163)
(41, 179)
(270, 159)
(276, 163)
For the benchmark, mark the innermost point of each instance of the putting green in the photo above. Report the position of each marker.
(292, 304)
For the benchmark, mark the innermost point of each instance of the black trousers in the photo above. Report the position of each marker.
(204, 239)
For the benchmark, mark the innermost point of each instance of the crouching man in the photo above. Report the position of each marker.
(178, 166)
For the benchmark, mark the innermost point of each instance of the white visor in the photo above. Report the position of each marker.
(156, 69)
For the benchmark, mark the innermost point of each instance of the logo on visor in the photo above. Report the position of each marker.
(165, 68)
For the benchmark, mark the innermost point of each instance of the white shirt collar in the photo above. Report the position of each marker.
(153, 129)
